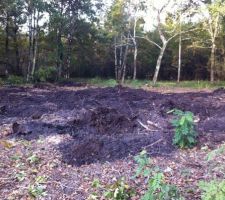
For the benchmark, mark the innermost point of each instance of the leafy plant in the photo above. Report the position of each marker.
(119, 190)
(37, 190)
(158, 189)
(213, 190)
(33, 159)
(20, 176)
(143, 161)
(185, 134)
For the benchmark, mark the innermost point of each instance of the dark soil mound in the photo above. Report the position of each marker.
(106, 123)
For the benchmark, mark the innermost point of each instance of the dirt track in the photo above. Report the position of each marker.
(93, 125)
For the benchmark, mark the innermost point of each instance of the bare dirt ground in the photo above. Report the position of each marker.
(74, 134)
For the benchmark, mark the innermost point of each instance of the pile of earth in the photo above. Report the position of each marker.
(106, 123)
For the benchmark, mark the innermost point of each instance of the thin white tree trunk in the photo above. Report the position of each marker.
(179, 59)
(159, 60)
(116, 60)
(135, 50)
(30, 44)
(35, 47)
(124, 65)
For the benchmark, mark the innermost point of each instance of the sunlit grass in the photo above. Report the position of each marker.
(100, 82)
(148, 83)
(192, 84)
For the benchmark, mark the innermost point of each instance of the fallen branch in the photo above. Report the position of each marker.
(143, 125)
(154, 124)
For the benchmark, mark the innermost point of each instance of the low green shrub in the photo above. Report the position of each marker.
(15, 80)
(213, 190)
(185, 134)
(47, 74)
(157, 187)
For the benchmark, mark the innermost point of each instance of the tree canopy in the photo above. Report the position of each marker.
(182, 38)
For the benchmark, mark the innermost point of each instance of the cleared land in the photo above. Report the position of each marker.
(73, 134)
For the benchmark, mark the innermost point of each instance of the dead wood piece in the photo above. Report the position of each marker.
(151, 124)
(143, 125)
(154, 124)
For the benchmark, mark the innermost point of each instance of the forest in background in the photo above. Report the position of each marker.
(85, 38)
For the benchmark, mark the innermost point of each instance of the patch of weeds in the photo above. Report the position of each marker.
(20, 165)
(33, 159)
(41, 179)
(38, 189)
(119, 190)
(157, 186)
(185, 134)
(213, 190)
(103, 82)
(20, 176)
(143, 162)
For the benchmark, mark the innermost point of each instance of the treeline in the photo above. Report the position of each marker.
(81, 38)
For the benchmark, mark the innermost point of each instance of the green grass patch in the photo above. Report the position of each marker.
(143, 83)
(100, 82)
(192, 84)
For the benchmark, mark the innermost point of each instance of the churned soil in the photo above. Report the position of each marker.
(80, 133)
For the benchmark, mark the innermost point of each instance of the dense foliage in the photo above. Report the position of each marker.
(78, 39)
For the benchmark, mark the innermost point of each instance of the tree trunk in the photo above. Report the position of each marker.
(179, 60)
(212, 60)
(135, 50)
(124, 65)
(69, 53)
(158, 65)
(116, 60)
(135, 61)
(120, 62)
(7, 46)
(35, 45)
(30, 56)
